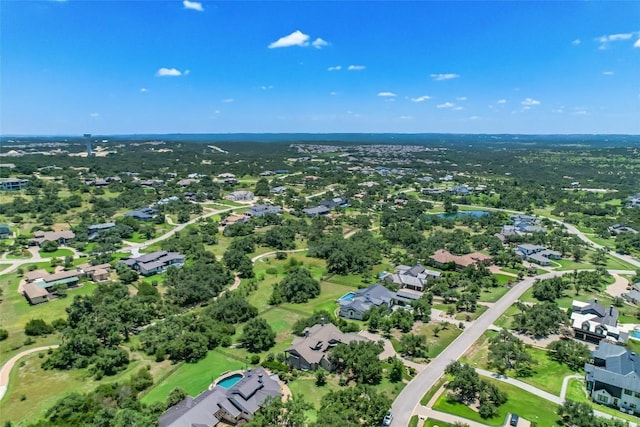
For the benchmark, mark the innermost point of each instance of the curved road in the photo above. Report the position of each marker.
(6, 368)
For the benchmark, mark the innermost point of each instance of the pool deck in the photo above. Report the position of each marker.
(226, 375)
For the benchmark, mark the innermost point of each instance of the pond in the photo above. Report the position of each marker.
(460, 214)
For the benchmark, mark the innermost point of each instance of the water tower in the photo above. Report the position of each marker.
(87, 138)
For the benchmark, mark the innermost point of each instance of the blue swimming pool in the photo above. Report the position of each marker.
(230, 381)
(347, 297)
(634, 333)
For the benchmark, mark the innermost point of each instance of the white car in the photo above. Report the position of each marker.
(387, 419)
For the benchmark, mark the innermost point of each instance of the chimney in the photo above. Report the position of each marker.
(248, 372)
(610, 310)
(306, 332)
(260, 378)
(322, 321)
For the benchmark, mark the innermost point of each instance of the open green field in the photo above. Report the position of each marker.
(60, 253)
(438, 343)
(42, 388)
(494, 294)
(15, 312)
(527, 405)
(193, 378)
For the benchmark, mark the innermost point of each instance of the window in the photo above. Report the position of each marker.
(633, 405)
(636, 394)
(628, 392)
(603, 398)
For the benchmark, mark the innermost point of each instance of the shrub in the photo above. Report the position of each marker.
(36, 327)
(4, 334)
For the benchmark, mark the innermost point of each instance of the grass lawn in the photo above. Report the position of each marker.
(432, 391)
(60, 253)
(442, 341)
(436, 423)
(193, 378)
(43, 388)
(575, 392)
(527, 405)
(305, 387)
(15, 312)
(503, 279)
(493, 294)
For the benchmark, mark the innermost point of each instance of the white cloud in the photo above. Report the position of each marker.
(608, 38)
(576, 42)
(637, 43)
(474, 118)
(356, 67)
(297, 38)
(144, 90)
(446, 76)
(406, 117)
(528, 102)
(458, 108)
(446, 105)
(461, 98)
(319, 43)
(335, 68)
(421, 98)
(169, 72)
(228, 100)
(193, 5)
(502, 101)
(608, 73)
(266, 87)
(580, 113)
(94, 115)
(333, 93)
(387, 94)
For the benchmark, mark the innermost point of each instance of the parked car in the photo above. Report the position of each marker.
(514, 420)
(387, 419)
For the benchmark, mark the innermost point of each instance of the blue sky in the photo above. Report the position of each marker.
(120, 67)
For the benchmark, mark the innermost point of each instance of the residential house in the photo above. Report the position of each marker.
(151, 183)
(536, 253)
(634, 201)
(240, 196)
(633, 296)
(278, 190)
(232, 219)
(5, 231)
(220, 406)
(60, 237)
(414, 278)
(316, 211)
(443, 258)
(257, 211)
(355, 307)
(186, 182)
(312, 350)
(97, 273)
(13, 184)
(613, 377)
(35, 294)
(592, 322)
(155, 262)
(460, 190)
(144, 214)
(95, 229)
(46, 280)
(167, 200)
(338, 202)
(619, 228)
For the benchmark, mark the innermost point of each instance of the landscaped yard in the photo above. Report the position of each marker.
(494, 294)
(60, 253)
(527, 405)
(194, 378)
(442, 341)
(575, 392)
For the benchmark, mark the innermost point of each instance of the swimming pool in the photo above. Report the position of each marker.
(229, 381)
(634, 333)
(347, 297)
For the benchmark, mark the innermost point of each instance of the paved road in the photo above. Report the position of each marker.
(407, 401)
(6, 368)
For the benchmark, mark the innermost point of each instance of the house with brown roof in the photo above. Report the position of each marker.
(312, 350)
(34, 293)
(60, 237)
(97, 273)
(443, 258)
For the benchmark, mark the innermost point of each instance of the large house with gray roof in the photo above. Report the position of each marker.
(364, 300)
(155, 262)
(592, 322)
(233, 406)
(312, 350)
(613, 377)
(536, 253)
(414, 278)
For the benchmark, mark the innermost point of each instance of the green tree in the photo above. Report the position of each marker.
(297, 287)
(359, 360)
(35, 327)
(508, 352)
(257, 335)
